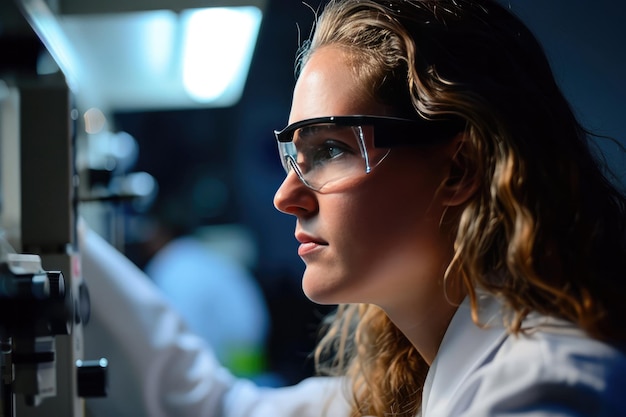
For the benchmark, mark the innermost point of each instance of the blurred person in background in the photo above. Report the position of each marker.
(205, 271)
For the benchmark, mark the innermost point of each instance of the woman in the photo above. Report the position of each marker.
(492, 195)
(447, 199)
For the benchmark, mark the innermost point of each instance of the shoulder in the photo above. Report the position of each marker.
(551, 369)
(554, 365)
(558, 349)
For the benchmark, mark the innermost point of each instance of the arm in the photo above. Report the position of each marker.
(159, 368)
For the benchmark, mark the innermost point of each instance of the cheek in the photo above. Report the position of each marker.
(399, 220)
(404, 214)
(393, 233)
(402, 205)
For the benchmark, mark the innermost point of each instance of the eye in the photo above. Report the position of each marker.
(318, 155)
(324, 144)
(328, 151)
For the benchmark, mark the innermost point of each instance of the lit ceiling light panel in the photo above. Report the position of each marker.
(154, 59)
(218, 47)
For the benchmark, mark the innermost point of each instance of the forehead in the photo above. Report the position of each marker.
(328, 86)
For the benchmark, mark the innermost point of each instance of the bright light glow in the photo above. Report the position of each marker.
(155, 39)
(151, 59)
(217, 51)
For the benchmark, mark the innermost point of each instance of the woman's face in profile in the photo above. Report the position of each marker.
(377, 240)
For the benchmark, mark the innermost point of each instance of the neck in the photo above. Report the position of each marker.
(426, 333)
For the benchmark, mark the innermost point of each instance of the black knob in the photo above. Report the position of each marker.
(57, 284)
(92, 377)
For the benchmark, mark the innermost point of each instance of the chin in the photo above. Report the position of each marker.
(319, 287)
(326, 289)
(319, 296)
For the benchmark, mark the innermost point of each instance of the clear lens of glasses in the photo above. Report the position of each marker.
(326, 156)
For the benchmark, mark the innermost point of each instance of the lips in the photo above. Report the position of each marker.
(304, 237)
(308, 248)
(309, 244)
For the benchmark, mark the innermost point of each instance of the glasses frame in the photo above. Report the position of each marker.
(389, 132)
(394, 129)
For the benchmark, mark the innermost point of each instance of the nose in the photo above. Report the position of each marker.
(295, 198)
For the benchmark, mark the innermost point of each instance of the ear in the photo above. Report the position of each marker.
(462, 180)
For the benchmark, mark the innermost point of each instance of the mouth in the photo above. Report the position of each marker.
(309, 248)
(309, 244)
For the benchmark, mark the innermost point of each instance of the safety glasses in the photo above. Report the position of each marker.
(326, 152)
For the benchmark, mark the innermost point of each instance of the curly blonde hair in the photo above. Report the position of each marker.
(546, 229)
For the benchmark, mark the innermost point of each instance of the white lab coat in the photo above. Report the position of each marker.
(554, 370)
(160, 369)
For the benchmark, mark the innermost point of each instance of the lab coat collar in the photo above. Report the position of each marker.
(464, 347)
